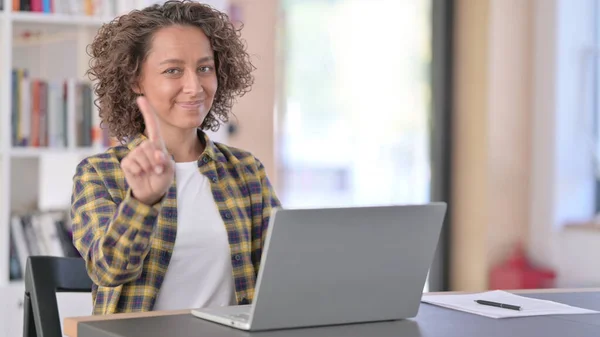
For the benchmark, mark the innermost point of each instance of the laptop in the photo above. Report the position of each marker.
(332, 266)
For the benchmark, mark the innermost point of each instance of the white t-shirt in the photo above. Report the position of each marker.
(199, 273)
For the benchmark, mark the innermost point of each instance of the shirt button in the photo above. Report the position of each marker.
(206, 159)
(237, 257)
(215, 179)
(228, 215)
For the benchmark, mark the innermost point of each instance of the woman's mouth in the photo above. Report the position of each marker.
(190, 105)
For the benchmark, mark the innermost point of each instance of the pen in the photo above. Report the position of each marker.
(499, 305)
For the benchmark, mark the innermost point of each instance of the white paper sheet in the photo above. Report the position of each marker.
(529, 306)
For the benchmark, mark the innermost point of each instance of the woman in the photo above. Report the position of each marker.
(169, 219)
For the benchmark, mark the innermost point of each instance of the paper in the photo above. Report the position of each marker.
(529, 306)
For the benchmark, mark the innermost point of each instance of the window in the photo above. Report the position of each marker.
(355, 102)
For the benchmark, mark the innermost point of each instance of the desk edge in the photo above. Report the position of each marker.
(523, 291)
(70, 323)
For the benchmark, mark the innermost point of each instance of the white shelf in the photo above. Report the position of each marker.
(32, 152)
(17, 283)
(46, 39)
(56, 19)
(5, 103)
(55, 49)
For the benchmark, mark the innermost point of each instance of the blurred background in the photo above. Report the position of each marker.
(489, 105)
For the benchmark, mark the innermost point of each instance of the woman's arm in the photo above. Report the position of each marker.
(262, 213)
(112, 238)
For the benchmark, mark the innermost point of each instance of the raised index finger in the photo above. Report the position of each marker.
(150, 121)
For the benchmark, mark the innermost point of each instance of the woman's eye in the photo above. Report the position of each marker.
(171, 71)
(205, 69)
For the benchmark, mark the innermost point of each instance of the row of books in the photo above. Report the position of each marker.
(41, 113)
(39, 233)
(98, 8)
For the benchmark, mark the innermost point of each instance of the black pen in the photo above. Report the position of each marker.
(499, 305)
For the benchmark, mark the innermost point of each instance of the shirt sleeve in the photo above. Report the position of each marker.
(260, 220)
(112, 238)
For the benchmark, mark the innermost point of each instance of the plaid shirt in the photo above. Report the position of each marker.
(127, 245)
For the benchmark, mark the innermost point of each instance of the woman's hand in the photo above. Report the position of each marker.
(148, 168)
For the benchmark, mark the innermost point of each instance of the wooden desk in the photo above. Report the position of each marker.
(71, 323)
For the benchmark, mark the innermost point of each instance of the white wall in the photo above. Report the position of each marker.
(522, 167)
(576, 258)
(562, 184)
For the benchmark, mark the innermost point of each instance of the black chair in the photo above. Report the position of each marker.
(44, 277)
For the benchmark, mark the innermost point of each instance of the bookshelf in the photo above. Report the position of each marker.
(42, 132)
(56, 19)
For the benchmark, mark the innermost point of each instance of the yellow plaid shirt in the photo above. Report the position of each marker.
(127, 245)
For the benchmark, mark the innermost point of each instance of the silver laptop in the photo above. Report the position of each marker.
(339, 265)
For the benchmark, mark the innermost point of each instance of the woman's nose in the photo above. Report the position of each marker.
(192, 84)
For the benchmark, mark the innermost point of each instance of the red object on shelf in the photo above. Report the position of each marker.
(518, 273)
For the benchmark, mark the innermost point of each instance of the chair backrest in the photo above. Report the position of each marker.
(44, 277)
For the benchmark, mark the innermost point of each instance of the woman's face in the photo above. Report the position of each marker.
(179, 77)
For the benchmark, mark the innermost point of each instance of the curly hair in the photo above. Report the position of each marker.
(121, 46)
